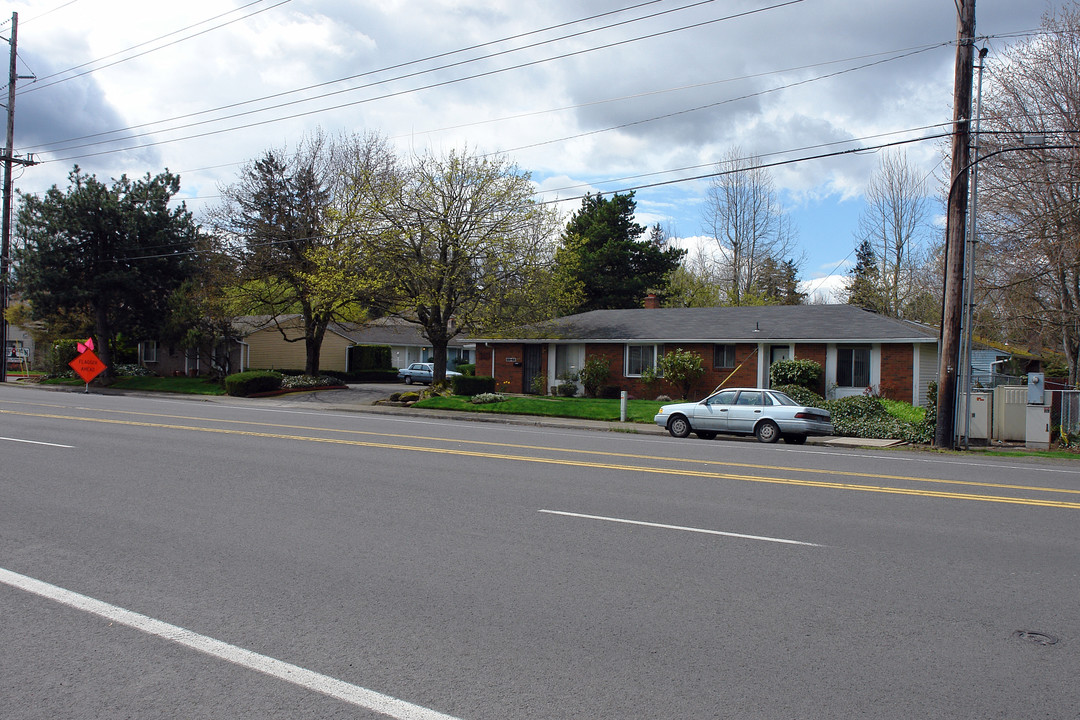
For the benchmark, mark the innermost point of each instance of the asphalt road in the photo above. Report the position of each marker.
(183, 558)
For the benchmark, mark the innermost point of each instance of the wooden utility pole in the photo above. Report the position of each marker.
(955, 228)
(5, 214)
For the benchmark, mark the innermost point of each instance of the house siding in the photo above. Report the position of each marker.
(268, 351)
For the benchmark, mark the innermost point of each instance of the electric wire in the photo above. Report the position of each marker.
(444, 83)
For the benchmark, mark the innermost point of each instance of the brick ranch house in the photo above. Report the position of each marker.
(857, 349)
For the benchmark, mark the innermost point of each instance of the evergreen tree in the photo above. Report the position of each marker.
(604, 260)
(864, 288)
(112, 254)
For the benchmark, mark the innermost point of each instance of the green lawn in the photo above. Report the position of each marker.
(186, 385)
(640, 411)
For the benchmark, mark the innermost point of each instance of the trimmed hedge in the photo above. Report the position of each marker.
(471, 384)
(252, 382)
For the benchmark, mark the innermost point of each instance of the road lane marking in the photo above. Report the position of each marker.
(35, 442)
(620, 467)
(518, 446)
(308, 679)
(704, 531)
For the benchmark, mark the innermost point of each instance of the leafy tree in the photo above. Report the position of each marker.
(604, 262)
(864, 286)
(681, 368)
(695, 283)
(112, 254)
(464, 243)
(297, 222)
(743, 215)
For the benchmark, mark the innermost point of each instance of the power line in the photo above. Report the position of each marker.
(397, 93)
(36, 88)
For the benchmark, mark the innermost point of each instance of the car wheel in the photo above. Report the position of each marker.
(767, 431)
(679, 426)
(408, 379)
(705, 434)
(795, 439)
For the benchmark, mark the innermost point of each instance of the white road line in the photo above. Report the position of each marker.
(347, 692)
(35, 442)
(680, 527)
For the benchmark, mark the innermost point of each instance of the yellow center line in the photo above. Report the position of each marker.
(578, 463)
(603, 453)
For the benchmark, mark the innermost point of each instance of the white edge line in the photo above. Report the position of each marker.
(681, 527)
(36, 442)
(339, 689)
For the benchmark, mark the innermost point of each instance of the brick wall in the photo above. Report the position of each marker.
(816, 352)
(897, 367)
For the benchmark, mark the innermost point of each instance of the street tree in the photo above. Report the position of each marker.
(297, 222)
(464, 245)
(743, 215)
(1029, 227)
(894, 222)
(104, 255)
(603, 260)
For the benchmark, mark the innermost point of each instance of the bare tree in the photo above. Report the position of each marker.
(894, 223)
(1029, 196)
(744, 216)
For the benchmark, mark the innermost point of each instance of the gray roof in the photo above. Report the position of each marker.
(768, 323)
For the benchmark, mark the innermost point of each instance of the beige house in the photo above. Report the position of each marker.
(268, 343)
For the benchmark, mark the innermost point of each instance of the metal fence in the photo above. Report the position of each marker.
(1069, 411)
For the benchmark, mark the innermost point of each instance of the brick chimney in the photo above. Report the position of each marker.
(651, 301)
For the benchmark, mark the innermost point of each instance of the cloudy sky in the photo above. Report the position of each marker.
(599, 96)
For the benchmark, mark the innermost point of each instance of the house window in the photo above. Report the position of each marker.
(148, 351)
(723, 356)
(853, 366)
(641, 357)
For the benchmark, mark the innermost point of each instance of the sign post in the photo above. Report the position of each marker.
(87, 365)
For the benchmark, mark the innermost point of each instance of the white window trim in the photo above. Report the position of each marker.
(657, 351)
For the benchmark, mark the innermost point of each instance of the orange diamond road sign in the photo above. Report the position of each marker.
(87, 366)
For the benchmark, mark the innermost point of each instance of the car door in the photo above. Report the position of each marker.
(712, 412)
(745, 412)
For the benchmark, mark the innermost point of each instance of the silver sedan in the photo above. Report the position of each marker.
(767, 414)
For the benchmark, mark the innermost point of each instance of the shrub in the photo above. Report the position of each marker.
(252, 382)
(801, 395)
(484, 398)
(681, 368)
(63, 352)
(467, 368)
(538, 385)
(566, 389)
(596, 372)
(865, 416)
(806, 373)
(132, 370)
(472, 385)
(295, 382)
(611, 392)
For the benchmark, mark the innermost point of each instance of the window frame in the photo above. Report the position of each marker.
(728, 351)
(655, 349)
(848, 364)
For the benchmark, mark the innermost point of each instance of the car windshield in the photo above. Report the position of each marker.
(782, 399)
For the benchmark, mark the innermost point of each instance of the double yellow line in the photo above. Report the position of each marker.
(696, 472)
